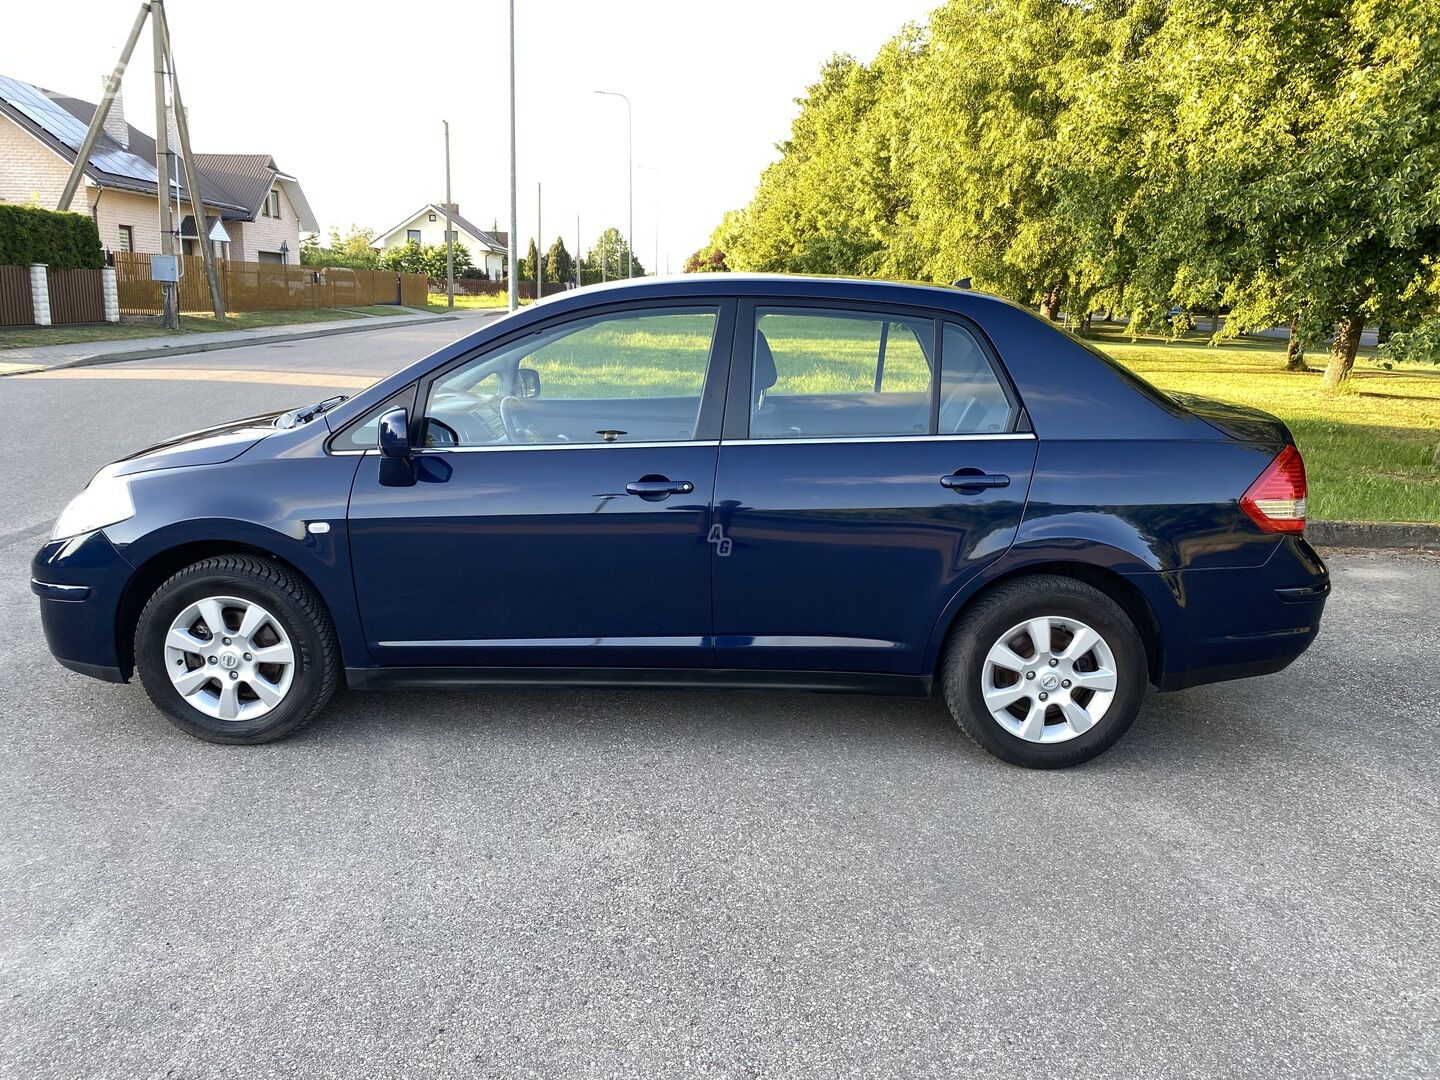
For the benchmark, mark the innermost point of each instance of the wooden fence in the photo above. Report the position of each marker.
(17, 306)
(248, 286)
(76, 296)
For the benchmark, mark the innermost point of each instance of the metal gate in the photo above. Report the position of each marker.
(17, 307)
(76, 296)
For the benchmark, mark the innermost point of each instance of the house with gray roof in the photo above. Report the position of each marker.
(488, 247)
(254, 211)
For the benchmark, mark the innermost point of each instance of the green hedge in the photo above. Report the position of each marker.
(65, 241)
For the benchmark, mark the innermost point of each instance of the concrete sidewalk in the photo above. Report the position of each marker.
(48, 357)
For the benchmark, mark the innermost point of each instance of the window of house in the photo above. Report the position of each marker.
(830, 374)
(412, 235)
(272, 204)
(127, 238)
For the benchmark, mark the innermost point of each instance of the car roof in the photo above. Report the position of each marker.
(817, 286)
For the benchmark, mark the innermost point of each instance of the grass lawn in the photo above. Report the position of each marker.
(22, 337)
(436, 302)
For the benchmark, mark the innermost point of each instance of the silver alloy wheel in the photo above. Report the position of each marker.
(229, 658)
(1049, 679)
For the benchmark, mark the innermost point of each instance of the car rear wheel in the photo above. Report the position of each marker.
(237, 649)
(1044, 672)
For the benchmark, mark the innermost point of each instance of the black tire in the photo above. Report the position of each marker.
(989, 617)
(293, 603)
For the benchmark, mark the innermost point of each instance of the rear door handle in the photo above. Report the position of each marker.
(656, 488)
(973, 481)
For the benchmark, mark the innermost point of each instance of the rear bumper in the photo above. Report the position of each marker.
(79, 582)
(1237, 623)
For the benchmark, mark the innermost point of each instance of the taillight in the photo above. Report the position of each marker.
(1276, 500)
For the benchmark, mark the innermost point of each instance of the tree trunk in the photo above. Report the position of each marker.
(1342, 352)
(1214, 321)
(1084, 328)
(1294, 354)
(1050, 303)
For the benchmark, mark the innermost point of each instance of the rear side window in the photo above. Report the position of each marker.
(973, 400)
(829, 374)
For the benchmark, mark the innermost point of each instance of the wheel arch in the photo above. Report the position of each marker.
(150, 574)
(1114, 584)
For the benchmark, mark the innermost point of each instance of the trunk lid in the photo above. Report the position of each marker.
(1237, 421)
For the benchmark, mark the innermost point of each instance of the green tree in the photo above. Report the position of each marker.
(351, 249)
(559, 266)
(611, 251)
(412, 258)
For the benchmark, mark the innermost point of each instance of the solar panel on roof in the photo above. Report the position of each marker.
(70, 131)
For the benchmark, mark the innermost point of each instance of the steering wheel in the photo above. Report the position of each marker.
(519, 427)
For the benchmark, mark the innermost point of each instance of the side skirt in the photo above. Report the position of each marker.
(842, 682)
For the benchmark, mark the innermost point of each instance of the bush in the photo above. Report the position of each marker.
(64, 241)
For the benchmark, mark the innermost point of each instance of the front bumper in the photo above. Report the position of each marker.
(80, 582)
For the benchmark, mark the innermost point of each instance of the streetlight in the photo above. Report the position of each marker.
(512, 261)
(630, 141)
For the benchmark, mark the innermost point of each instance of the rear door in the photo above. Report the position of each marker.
(872, 460)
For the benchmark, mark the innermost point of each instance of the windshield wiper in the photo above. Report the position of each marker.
(309, 412)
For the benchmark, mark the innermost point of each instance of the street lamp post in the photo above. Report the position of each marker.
(630, 143)
(513, 262)
(449, 229)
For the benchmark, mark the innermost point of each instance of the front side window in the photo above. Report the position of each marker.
(972, 399)
(412, 235)
(635, 376)
(831, 374)
(127, 238)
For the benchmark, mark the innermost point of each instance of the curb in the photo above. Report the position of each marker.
(1373, 534)
(185, 347)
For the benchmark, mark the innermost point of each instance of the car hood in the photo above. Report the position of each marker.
(212, 446)
(1238, 421)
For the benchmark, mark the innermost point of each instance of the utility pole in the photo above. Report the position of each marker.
(97, 122)
(514, 211)
(602, 258)
(630, 142)
(577, 251)
(192, 177)
(539, 255)
(169, 291)
(449, 229)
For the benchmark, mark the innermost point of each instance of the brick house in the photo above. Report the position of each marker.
(254, 212)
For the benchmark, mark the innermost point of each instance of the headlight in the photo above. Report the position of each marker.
(105, 502)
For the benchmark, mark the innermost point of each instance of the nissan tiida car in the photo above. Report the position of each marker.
(718, 481)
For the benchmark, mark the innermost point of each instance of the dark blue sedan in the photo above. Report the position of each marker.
(715, 481)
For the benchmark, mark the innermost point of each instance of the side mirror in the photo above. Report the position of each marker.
(394, 437)
(527, 383)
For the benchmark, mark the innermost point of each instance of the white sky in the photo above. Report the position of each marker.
(349, 97)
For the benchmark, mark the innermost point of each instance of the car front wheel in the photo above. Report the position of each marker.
(1044, 672)
(237, 649)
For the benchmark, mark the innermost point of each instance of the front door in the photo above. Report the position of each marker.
(557, 512)
(871, 463)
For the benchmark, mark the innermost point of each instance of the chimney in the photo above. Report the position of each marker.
(453, 208)
(115, 126)
(172, 129)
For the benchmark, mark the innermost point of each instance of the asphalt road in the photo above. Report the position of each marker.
(621, 884)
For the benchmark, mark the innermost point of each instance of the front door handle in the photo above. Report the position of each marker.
(973, 481)
(655, 488)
